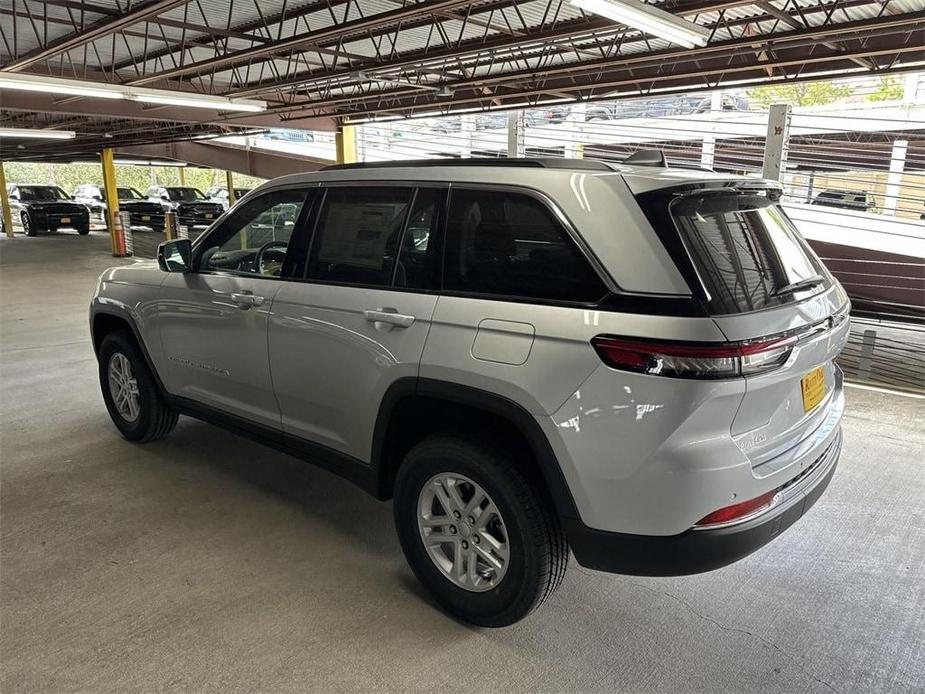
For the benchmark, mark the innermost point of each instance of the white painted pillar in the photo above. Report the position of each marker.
(575, 124)
(708, 148)
(516, 146)
(777, 142)
(910, 87)
(466, 134)
(894, 179)
(361, 142)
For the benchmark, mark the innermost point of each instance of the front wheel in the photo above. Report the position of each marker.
(27, 227)
(132, 397)
(477, 533)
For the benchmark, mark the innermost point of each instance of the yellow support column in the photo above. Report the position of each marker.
(229, 181)
(112, 201)
(345, 142)
(182, 174)
(5, 202)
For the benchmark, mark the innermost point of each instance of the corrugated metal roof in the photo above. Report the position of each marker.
(421, 45)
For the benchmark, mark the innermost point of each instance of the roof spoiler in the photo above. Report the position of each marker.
(647, 157)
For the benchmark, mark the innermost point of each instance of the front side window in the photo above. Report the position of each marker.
(510, 245)
(254, 238)
(358, 233)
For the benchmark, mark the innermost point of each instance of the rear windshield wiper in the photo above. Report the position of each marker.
(807, 283)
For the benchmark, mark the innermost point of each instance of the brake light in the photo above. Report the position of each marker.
(694, 359)
(737, 511)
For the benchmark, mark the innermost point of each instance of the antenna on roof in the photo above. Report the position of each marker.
(646, 157)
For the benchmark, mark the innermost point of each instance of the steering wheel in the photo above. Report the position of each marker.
(258, 259)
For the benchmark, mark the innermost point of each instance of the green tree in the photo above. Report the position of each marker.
(69, 176)
(798, 94)
(889, 89)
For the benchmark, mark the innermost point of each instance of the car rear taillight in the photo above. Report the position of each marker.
(694, 359)
(738, 511)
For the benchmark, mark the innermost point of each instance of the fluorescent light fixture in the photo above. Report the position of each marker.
(101, 90)
(648, 19)
(63, 87)
(148, 162)
(221, 103)
(38, 134)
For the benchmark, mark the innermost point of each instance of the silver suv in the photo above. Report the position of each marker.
(627, 361)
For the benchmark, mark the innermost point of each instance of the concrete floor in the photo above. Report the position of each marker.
(207, 563)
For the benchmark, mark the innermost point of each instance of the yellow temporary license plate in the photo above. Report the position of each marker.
(65, 220)
(813, 387)
(145, 218)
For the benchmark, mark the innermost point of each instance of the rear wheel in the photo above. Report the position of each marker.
(132, 397)
(27, 227)
(83, 231)
(477, 533)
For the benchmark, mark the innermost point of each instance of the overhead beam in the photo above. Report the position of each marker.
(794, 23)
(97, 30)
(301, 40)
(908, 26)
(577, 30)
(215, 155)
(14, 100)
(265, 23)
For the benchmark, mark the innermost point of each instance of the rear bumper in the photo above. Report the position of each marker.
(696, 551)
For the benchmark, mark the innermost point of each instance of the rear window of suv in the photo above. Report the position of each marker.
(746, 250)
(509, 245)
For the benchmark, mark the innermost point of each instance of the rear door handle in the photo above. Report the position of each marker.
(390, 316)
(247, 299)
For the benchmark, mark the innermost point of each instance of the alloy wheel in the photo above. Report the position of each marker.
(123, 387)
(463, 532)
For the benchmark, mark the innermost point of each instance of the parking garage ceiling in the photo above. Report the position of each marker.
(320, 62)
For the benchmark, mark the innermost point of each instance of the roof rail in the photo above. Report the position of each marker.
(531, 163)
(647, 157)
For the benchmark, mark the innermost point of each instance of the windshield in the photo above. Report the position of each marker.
(129, 194)
(185, 194)
(37, 193)
(746, 251)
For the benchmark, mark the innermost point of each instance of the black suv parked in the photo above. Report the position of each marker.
(859, 200)
(46, 208)
(142, 212)
(193, 208)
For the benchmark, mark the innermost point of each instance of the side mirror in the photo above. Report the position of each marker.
(175, 256)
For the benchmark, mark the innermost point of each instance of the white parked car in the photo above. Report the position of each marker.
(530, 356)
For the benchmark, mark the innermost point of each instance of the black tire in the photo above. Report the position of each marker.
(538, 547)
(27, 226)
(83, 231)
(155, 419)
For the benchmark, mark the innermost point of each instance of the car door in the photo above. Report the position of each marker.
(359, 320)
(506, 322)
(213, 321)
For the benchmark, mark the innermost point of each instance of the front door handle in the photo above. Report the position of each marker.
(389, 316)
(247, 299)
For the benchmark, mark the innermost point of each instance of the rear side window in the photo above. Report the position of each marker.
(510, 245)
(746, 251)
